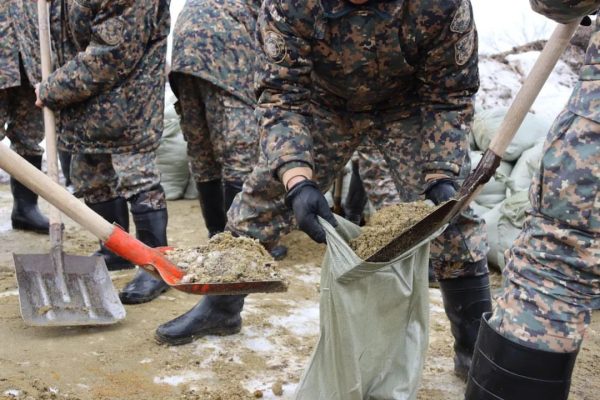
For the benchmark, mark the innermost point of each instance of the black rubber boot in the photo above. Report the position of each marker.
(213, 315)
(151, 229)
(506, 370)
(26, 214)
(356, 199)
(465, 300)
(230, 190)
(65, 165)
(116, 212)
(212, 205)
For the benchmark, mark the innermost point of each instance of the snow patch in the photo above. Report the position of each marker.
(12, 393)
(303, 321)
(176, 380)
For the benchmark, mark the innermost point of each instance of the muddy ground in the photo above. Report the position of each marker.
(124, 362)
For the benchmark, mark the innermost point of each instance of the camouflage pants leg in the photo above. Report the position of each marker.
(102, 177)
(552, 278)
(465, 239)
(259, 211)
(376, 177)
(220, 130)
(24, 121)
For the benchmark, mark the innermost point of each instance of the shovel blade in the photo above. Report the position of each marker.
(87, 296)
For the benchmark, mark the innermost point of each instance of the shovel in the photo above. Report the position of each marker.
(440, 216)
(57, 289)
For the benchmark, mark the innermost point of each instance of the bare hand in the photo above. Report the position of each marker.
(38, 102)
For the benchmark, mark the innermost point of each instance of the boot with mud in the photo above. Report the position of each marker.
(213, 315)
(465, 300)
(230, 190)
(114, 211)
(26, 214)
(151, 229)
(506, 370)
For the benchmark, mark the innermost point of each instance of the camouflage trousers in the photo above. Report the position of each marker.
(376, 177)
(259, 211)
(135, 177)
(23, 120)
(552, 278)
(220, 130)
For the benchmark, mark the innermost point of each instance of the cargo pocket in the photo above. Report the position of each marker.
(569, 175)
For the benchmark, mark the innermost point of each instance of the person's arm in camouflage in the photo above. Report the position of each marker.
(283, 90)
(119, 34)
(564, 11)
(449, 79)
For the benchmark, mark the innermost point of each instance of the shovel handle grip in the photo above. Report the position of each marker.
(534, 82)
(53, 193)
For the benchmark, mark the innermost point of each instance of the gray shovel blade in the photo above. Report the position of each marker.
(85, 297)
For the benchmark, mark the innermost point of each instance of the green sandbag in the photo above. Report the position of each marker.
(374, 323)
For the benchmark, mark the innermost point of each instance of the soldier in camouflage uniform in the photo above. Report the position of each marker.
(335, 71)
(19, 71)
(108, 92)
(527, 348)
(212, 75)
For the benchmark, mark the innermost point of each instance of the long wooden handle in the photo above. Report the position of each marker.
(49, 120)
(54, 193)
(533, 84)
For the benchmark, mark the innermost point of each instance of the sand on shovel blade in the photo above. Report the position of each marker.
(225, 259)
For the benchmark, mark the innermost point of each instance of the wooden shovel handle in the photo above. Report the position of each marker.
(533, 84)
(53, 193)
(49, 119)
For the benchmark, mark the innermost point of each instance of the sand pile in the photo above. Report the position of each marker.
(386, 224)
(225, 259)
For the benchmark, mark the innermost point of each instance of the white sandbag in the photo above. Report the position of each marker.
(532, 130)
(504, 223)
(171, 155)
(374, 324)
(527, 165)
(495, 190)
(479, 210)
(191, 192)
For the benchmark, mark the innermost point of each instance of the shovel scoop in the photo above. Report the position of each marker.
(116, 239)
(486, 168)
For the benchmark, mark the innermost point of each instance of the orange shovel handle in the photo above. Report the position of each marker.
(151, 259)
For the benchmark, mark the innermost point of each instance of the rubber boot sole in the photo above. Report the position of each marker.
(160, 339)
(142, 300)
(24, 226)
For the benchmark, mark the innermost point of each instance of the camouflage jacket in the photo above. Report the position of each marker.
(214, 40)
(402, 57)
(109, 86)
(18, 37)
(585, 100)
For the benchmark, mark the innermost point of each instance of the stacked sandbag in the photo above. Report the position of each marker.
(494, 191)
(525, 167)
(171, 156)
(532, 130)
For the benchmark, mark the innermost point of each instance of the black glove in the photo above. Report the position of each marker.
(440, 190)
(308, 202)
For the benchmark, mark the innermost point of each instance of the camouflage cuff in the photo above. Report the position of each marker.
(286, 166)
(45, 99)
(441, 167)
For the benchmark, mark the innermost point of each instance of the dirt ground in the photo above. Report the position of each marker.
(124, 362)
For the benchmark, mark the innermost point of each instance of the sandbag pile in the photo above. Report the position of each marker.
(171, 156)
(504, 199)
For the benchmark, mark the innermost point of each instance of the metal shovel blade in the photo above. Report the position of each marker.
(82, 295)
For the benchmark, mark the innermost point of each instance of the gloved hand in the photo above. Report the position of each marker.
(440, 190)
(308, 202)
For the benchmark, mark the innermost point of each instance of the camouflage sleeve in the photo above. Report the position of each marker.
(449, 80)
(564, 11)
(283, 88)
(119, 34)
